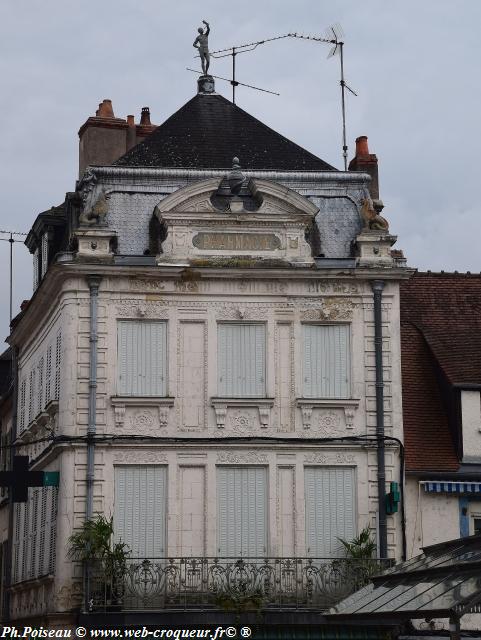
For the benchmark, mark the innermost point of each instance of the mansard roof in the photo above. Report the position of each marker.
(208, 131)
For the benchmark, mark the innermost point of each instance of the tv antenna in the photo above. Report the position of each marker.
(11, 239)
(335, 36)
(235, 51)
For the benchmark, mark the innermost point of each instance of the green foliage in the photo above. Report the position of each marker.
(94, 544)
(361, 548)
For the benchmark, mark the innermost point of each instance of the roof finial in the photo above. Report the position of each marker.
(235, 177)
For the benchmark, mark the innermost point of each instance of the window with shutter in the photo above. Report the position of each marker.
(330, 510)
(44, 258)
(327, 362)
(35, 528)
(40, 395)
(31, 396)
(242, 511)
(142, 358)
(22, 408)
(48, 375)
(58, 364)
(140, 509)
(241, 360)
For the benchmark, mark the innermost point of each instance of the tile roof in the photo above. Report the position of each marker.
(440, 330)
(427, 438)
(208, 131)
(446, 308)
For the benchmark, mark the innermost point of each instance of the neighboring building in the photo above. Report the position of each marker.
(441, 371)
(206, 336)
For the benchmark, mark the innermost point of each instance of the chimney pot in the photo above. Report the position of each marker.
(105, 109)
(145, 116)
(362, 148)
(131, 121)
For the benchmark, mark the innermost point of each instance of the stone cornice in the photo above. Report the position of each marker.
(139, 173)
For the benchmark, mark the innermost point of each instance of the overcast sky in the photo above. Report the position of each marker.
(415, 66)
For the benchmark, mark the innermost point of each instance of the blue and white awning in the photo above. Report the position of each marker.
(452, 487)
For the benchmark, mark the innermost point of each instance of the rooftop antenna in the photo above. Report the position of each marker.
(235, 51)
(11, 239)
(335, 36)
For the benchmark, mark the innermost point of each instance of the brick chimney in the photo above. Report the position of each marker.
(105, 138)
(366, 162)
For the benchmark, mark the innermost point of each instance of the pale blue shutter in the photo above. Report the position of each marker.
(241, 360)
(140, 509)
(142, 355)
(242, 511)
(330, 510)
(326, 361)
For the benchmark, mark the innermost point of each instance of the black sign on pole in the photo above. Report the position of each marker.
(19, 479)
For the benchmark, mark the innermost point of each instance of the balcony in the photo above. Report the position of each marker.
(230, 584)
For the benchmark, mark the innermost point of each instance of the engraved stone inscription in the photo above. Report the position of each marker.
(236, 241)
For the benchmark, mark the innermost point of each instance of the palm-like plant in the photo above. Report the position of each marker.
(360, 561)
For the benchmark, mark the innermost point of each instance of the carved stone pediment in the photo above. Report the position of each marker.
(265, 221)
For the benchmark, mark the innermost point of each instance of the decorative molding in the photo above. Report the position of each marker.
(248, 457)
(139, 456)
(142, 419)
(325, 459)
(263, 405)
(349, 405)
(142, 309)
(329, 309)
(244, 311)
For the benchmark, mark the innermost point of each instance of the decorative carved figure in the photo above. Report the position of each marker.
(202, 44)
(98, 213)
(372, 219)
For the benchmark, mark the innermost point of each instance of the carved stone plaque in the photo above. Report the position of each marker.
(236, 241)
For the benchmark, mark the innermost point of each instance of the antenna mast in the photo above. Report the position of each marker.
(11, 240)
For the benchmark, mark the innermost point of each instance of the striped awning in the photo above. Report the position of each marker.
(452, 487)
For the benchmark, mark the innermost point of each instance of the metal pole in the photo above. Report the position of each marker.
(11, 241)
(377, 287)
(343, 100)
(233, 74)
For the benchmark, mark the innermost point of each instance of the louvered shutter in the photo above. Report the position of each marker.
(241, 360)
(326, 361)
(242, 511)
(48, 375)
(142, 355)
(140, 509)
(58, 364)
(330, 510)
(22, 405)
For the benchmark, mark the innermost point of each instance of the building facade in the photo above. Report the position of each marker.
(202, 361)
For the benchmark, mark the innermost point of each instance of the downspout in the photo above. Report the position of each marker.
(11, 506)
(93, 282)
(377, 287)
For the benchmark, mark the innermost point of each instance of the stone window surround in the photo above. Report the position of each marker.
(264, 406)
(162, 403)
(307, 405)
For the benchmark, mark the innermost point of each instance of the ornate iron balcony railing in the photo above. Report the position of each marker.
(235, 584)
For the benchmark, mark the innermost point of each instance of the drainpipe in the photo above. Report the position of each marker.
(11, 506)
(377, 287)
(93, 282)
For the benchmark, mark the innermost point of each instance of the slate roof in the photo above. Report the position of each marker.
(208, 131)
(440, 333)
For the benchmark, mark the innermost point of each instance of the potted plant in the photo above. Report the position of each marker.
(105, 561)
(360, 552)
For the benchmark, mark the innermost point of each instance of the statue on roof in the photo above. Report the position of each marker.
(202, 44)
